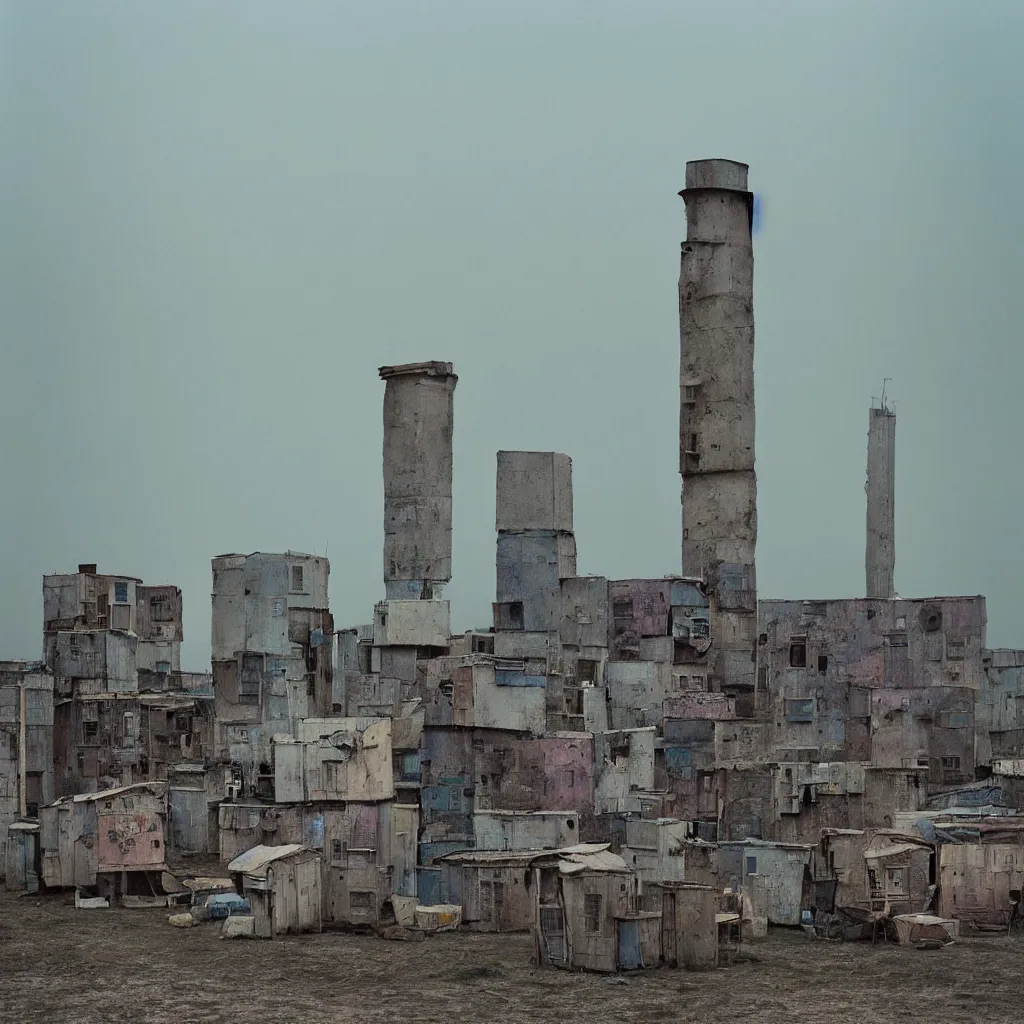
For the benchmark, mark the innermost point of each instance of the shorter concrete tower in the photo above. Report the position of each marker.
(880, 558)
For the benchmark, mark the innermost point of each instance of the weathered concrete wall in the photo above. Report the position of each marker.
(999, 714)
(88, 600)
(880, 556)
(253, 596)
(411, 624)
(526, 830)
(534, 492)
(716, 422)
(31, 739)
(883, 681)
(585, 611)
(158, 613)
(636, 693)
(418, 425)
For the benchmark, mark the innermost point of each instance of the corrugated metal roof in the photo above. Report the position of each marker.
(603, 860)
(882, 850)
(105, 794)
(581, 857)
(256, 860)
(493, 856)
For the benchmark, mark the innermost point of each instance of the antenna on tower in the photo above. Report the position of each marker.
(885, 380)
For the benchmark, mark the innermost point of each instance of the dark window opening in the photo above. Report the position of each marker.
(508, 615)
(751, 865)
(798, 654)
(297, 579)
(622, 609)
(120, 593)
(592, 911)
(822, 662)
(762, 640)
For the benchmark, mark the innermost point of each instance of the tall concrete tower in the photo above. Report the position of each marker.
(880, 558)
(418, 420)
(716, 421)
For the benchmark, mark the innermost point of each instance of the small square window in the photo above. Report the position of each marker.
(120, 593)
(361, 901)
(751, 865)
(248, 691)
(297, 579)
(798, 654)
(955, 650)
(800, 710)
(73, 641)
(895, 882)
(163, 667)
(90, 732)
(901, 622)
(822, 662)
(592, 911)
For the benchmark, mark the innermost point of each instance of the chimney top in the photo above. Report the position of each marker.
(727, 174)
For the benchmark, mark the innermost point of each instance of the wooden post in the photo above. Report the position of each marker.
(22, 756)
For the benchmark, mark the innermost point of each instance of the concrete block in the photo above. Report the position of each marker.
(534, 491)
(526, 645)
(411, 624)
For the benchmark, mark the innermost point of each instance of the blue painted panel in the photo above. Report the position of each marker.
(801, 710)
(451, 884)
(679, 762)
(629, 946)
(503, 677)
(429, 852)
(435, 798)
(679, 756)
(687, 595)
(409, 767)
(428, 886)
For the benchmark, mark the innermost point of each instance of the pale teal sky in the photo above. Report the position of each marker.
(218, 219)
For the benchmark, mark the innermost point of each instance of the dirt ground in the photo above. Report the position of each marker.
(62, 964)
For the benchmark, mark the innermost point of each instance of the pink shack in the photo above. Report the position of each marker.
(112, 840)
